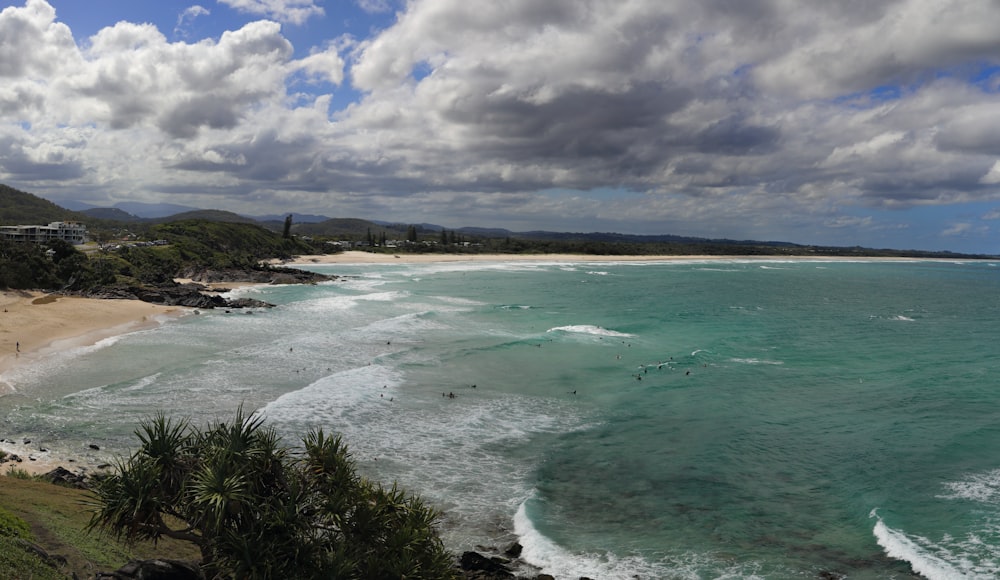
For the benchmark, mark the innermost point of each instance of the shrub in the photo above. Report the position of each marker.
(258, 509)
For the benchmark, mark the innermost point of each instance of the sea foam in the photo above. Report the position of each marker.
(589, 329)
(932, 560)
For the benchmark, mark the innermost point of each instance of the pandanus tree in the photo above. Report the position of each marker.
(257, 509)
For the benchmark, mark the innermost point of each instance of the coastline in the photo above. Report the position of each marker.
(359, 257)
(35, 324)
(32, 323)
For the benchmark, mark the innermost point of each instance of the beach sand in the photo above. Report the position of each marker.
(359, 257)
(34, 325)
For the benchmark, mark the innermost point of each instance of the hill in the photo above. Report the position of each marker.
(208, 215)
(110, 214)
(18, 207)
(22, 208)
(346, 227)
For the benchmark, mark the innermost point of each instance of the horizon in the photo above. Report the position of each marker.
(814, 124)
(157, 211)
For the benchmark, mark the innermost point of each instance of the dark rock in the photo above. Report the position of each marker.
(262, 275)
(53, 560)
(484, 567)
(248, 303)
(94, 447)
(169, 294)
(63, 476)
(514, 550)
(156, 570)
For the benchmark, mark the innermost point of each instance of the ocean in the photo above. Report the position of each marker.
(688, 420)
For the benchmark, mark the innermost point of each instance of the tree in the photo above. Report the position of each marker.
(259, 510)
(287, 231)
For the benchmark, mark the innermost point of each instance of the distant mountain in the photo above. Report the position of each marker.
(22, 208)
(111, 213)
(77, 205)
(209, 215)
(348, 227)
(626, 238)
(153, 210)
(397, 225)
(298, 218)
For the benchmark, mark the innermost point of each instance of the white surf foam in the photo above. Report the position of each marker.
(980, 487)
(948, 560)
(756, 361)
(590, 329)
(542, 552)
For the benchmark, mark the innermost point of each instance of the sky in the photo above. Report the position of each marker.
(857, 122)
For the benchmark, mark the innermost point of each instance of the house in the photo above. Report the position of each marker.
(72, 232)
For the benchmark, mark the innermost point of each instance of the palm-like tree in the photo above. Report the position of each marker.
(257, 509)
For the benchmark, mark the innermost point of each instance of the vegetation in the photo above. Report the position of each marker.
(17, 208)
(17, 560)
(36, 514)
(257, 509)
(212, 239)
(27, 266)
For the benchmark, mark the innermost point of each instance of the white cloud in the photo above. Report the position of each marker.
(756, 117)
(374, 6)
(992, 176)
(957, 229)
(188, 16)
(291, 11)
(325, 65)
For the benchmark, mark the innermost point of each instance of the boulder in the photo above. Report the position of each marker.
(157, 570)
(483, 567)
(63, 476)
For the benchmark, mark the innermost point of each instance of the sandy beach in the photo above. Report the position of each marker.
(359, 257)
(34, 323)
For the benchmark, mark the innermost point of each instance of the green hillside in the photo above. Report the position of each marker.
(208, 215)
(350, 228)
(22, 208)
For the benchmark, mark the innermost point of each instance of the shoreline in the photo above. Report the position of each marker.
(358, 257)
(34, 325)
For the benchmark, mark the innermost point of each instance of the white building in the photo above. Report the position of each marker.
(72, 232)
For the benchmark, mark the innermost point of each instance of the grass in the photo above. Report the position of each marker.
(55, 518)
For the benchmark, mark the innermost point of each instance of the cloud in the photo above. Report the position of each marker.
(186, 17)
(374, 6)
(992, 177)
(759, 119)
(957, 229)
(32, 40)
(290, 11)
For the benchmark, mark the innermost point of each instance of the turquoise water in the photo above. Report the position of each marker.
(724, 419)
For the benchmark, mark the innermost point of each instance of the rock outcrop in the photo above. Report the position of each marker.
(156, 570)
